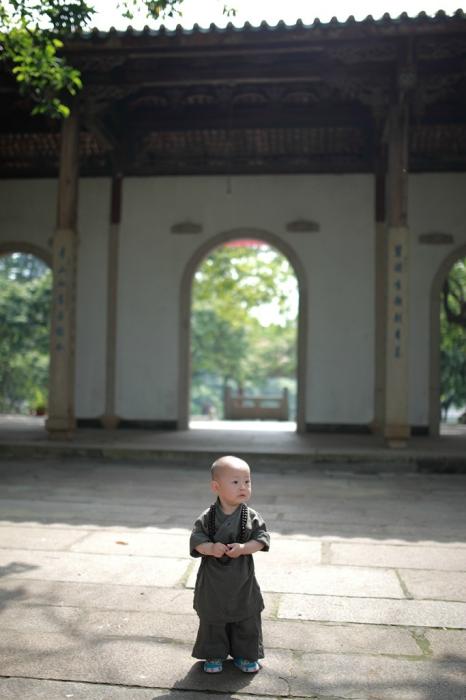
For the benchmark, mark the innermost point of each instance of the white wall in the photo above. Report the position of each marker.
(437, 203)
(338, 263)
(28, 212)
(93, 228)
(28, 216)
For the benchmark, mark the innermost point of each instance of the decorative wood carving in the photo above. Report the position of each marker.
(268, 100)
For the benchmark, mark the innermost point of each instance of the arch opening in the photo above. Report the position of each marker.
(447, 401)
(243, 347)
(25, 302)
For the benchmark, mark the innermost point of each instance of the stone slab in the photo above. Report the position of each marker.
(134, 543)
(297, 553)
(102, 596)
(34, 511)
(89, 568)
(121, 623)
(383, 678)
(105, 596)
(407, 556)
(430, 533)
(297, 636)
(420, 613)
(326, 580)
(14, 688)
(449, 644)
(16, 537)
(137, 661)
(334, 638)
(445, 585)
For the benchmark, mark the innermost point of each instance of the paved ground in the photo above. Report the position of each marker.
(365, 584)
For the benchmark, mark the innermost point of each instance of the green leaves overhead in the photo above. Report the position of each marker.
(32, 49)
(31, 45)
(238, 281)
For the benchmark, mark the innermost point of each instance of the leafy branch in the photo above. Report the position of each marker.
(31, 44)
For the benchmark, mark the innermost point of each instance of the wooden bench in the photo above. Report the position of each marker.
(240, 407)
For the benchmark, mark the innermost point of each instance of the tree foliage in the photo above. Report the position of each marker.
(25, 297)
(454, 295)
(453, 338)
(243, 324)
(31, 44)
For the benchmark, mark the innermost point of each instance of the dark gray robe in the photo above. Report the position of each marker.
(226, 589)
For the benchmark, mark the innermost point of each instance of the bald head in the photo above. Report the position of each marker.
(225, 463)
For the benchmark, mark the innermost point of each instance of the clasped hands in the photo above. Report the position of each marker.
(233, 550)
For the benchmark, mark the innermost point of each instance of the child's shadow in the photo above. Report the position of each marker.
(229, 681)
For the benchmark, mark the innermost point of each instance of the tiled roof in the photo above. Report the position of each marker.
(421, 19)
(300, 98)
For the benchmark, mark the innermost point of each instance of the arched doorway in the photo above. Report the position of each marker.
(435, 338)
(25, 290)
(185, 315)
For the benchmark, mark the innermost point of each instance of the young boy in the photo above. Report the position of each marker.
(227, 597)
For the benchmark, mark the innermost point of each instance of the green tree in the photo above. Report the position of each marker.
(235, 279)
(453, 338)
(25, 295)
(243, 323)
(274, 353)
(32, 34)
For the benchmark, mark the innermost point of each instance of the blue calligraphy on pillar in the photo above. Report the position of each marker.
(397, 300)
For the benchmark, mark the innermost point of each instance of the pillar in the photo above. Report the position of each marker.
(396, 420)
(110, 420)
(61, 421)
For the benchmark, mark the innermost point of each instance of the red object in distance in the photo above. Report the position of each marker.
(245, 243)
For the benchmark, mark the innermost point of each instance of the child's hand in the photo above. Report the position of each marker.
(234, 550)
(219, 549)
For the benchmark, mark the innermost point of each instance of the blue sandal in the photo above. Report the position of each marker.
(246, 666)
(213, 666)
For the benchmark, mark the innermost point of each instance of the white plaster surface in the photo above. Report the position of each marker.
(338, 262)
(340, 303)
(437, 203)
(93, 230)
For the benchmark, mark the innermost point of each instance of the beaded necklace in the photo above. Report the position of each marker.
(242, 533)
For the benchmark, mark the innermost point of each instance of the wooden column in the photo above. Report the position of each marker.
(61, 420)
(396, 421)
(110, 420)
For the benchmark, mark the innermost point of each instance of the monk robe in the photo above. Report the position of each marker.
(226, 589)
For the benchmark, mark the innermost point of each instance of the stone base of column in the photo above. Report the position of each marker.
(397, 436)
(60, 428)
(110, 422)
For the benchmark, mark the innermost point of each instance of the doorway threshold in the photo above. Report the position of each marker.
(270, 426)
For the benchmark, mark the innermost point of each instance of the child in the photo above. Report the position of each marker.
(227, 597)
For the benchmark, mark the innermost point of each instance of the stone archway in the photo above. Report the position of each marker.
(10, 247)
(185, 317)
(33, 395)
(434, 354)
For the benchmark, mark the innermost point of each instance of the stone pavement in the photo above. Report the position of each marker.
(365, 584)
(266, 442)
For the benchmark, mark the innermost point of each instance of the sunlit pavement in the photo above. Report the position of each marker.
(365, 584)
